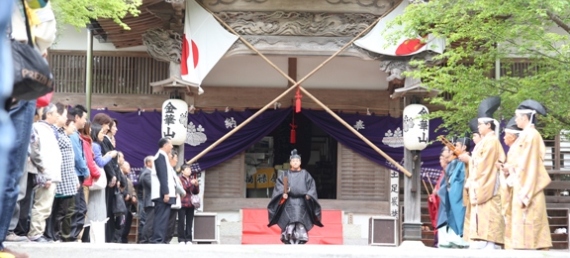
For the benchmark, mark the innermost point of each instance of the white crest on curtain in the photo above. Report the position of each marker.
(230, 123)
(359, 125)
(394, 139)
(195, 135)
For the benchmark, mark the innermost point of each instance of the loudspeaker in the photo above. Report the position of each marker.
(205, 227)
(382, 230)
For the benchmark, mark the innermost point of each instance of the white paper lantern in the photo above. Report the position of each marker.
(416, 127)
(174, 120)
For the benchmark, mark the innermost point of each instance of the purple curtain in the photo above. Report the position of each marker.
(217, 124)
(385, 132)
(139, 133)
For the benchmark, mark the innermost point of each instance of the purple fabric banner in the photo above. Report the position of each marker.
(204, 129)
(139, 133)
(385, 132)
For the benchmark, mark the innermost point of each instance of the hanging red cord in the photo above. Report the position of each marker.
(298, 97)
(293, 138)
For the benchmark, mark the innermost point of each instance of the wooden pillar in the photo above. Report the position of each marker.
(395, 108)
(292, 70)
(412, 226)
(190, 100)
(180, 151)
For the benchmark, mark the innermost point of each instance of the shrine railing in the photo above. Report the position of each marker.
(113, 72)
(557, 161)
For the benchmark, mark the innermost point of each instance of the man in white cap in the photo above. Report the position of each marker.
(486, 227)
(529, 228)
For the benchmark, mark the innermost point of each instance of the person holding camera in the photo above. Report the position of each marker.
(186, 212)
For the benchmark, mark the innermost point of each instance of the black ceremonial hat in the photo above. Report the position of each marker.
(473, 125)
(512, 127)
(463, 140)
(531, 106)
(294, 155)
(487, 107)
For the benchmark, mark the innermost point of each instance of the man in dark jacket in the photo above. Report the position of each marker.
(163, 193)
(146, 207)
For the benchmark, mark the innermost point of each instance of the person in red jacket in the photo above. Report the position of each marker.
(94, 172)
(186, 213)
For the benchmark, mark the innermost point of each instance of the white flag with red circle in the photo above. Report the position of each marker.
(205, 42)
(376, 41)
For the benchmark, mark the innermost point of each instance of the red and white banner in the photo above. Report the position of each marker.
(205, 43)
(376, 41)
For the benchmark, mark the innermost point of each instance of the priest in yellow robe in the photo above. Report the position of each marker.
(512, 132)
(529, 221)
(486, 229)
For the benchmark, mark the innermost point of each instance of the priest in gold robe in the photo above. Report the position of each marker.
(512, 132)
(486, 228)
(529, 221)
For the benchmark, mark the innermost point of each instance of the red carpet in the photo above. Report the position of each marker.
(255, 230)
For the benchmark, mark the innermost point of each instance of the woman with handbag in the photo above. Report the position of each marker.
(116, 207)
(186, 212)
(96, 206)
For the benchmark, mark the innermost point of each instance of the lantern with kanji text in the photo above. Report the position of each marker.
(416, 127)
(174, 120)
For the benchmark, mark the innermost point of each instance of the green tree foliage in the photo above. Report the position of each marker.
(79, 12)
(480, 32)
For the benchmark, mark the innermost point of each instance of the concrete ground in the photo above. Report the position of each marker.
(81, 250)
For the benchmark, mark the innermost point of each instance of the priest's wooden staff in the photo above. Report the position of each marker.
(425, 186)
(450, 146)
(295, 85)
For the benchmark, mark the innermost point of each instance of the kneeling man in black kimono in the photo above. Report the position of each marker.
(294, 205)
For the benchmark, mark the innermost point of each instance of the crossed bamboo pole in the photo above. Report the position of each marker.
(296, 84)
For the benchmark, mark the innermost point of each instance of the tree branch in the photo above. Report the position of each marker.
(538, 52)
(507, 90)
(561, 119)
(556, 19)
